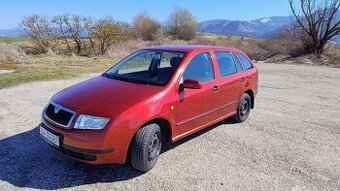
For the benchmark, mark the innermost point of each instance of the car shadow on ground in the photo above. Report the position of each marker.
(29, 162)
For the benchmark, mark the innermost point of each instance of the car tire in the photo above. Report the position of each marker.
(243, 109)
(146, 147)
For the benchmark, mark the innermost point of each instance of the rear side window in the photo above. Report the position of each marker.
(200, 68)
(247, 64)
(226, 63)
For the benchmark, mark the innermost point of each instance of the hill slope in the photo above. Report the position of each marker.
(12, 32)
(259, 28)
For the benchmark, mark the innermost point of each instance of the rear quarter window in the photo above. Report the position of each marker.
(246, 62)
(237, 63)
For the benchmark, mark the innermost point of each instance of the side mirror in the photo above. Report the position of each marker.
(190, 84)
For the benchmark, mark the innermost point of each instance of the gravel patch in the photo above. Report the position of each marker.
(6, 71)
(290, 142)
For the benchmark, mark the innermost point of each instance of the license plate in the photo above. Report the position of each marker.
(50, 137)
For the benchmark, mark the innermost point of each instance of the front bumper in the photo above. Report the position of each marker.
(82, 154)
(88, 147)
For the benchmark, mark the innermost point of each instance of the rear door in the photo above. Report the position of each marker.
(230, 81)
(192, 111)
(250, 74)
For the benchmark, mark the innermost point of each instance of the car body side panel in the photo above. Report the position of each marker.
(230, 90)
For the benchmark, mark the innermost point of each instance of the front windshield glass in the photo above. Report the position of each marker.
(154, 67)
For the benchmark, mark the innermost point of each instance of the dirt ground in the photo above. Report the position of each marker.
(290, 142)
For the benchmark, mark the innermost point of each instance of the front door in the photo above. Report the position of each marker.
(191, 107)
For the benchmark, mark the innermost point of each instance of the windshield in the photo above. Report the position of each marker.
(154, 67)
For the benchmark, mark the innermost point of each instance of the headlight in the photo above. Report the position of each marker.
(91, 122)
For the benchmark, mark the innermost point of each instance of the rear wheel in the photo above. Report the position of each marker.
(243, 109)
(146, 147)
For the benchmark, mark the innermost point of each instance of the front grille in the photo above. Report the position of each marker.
(61, 116)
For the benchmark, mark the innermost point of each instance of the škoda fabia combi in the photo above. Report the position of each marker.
(157, 94)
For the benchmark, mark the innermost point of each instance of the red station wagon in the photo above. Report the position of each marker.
(157, 94)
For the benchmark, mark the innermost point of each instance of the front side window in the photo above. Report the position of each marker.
(226, 63)
(247, 64)
(154, 67)
(200, 68)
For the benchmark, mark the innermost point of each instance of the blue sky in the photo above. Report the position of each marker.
(12, 11)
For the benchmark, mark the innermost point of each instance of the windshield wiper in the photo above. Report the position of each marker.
(130, 79)
(107, 75)
(133, 80)
(123, 78)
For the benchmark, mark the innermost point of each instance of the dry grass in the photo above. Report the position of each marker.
(54, 65)
(255, 48)
(125, 48)
(12, 53)
(274, 50)
(332, 52)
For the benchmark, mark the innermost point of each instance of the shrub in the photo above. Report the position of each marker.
(181, 24)
(146, 27)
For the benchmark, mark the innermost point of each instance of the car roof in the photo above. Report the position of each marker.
(189, 48)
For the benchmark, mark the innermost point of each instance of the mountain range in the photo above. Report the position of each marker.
(259, 28)
(12, 32)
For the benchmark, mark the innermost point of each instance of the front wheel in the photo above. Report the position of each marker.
(243, 109)
(146, 147)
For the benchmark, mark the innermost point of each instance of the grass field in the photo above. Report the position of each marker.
(13, 39)
(52, 67)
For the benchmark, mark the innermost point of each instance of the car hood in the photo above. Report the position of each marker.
(103, 96)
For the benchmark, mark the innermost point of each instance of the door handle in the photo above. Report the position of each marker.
(216, 89)
(243, 80)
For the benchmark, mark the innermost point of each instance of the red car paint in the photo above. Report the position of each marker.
(130, 106)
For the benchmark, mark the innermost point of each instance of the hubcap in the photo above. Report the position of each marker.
(244, 107)
(154, 147)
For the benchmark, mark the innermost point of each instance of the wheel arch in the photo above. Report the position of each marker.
(165, 127)
(252, 96)
(166, 132)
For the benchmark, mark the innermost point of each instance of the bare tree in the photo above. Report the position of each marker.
(317, 22)
(90, 27)
(58, 21)
(146, 27)
(71, 28)
(181, 24)
(39, 29)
